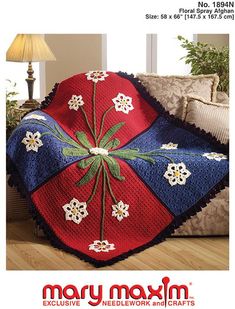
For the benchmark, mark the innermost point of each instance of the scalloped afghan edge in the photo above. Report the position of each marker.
(15, 180)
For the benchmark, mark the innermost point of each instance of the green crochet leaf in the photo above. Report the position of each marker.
(74, 152)
(132, 154)
(110, 133)
(113, 167)
(145, 158)
(86, 162)
(81, 136)
(112, 144)
(129, 154)
(91, 172)
(57, 129)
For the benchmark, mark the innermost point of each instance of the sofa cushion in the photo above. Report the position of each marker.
(222, 97)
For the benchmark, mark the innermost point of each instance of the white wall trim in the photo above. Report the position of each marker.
(104, 51)
(151, 53)
(148, 53)
(154, 53)
(195, 38)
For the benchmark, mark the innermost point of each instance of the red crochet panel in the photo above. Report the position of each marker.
(138, 120)
(135, 231)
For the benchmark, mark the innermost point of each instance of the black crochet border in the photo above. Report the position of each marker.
(15, 180)
(48, 99)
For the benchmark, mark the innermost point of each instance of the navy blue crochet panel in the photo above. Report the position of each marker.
(35, 170)
(205, 173)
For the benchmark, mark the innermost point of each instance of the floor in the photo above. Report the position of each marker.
(28, 252)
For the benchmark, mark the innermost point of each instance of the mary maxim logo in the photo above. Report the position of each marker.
(166, 294)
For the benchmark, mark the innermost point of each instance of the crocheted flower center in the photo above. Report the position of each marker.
(31, 141)
(123, 102)
(99, 151)
(74, 211)
(176, 173)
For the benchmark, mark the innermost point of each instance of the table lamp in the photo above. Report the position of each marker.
(29, 48)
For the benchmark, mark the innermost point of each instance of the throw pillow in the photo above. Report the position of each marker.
(212, 117)
(169, 90)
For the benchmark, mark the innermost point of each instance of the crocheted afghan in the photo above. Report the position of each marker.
(107, 172)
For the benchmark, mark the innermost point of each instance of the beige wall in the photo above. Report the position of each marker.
(75, 53)
(218, 40)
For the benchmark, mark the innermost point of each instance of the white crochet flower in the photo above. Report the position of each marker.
(75, 102)
(215, 156)
(32, 141)
(177, 173)
(169, 146)
(120, 211)
(34, 116)
(75, 210)
(101, 246)
(96, 76)
(123, 103)
(99, 151)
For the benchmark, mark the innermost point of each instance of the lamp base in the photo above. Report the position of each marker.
(30, 104)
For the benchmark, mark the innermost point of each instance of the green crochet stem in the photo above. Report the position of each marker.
(87, 122)
(156, 152)
(109, 187)
(103, 205)
(172, 161)
(94, 113)
(102, 121)
(93, 131)
(95, 186)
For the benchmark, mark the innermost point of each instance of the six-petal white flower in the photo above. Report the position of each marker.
(34, 116)
(177, 173)
(120, 211)
(215, 156)
(96, 76)
(75, 210)
(123, 103)
(32, 141)
(169, 146)
(75, 102)
(101, 246)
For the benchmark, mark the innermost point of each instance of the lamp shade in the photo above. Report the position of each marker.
(29, 48)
